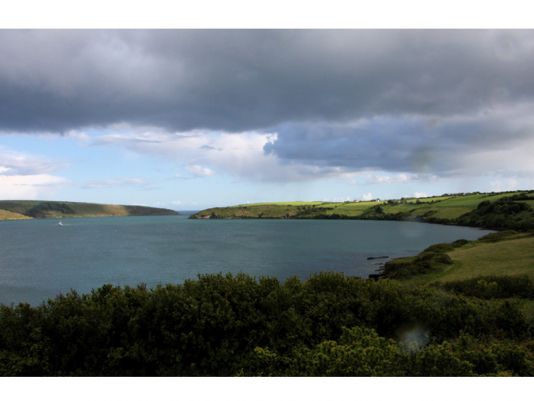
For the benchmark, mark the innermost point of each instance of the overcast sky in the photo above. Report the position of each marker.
(191, 119)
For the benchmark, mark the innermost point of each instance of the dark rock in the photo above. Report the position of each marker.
(375, 276)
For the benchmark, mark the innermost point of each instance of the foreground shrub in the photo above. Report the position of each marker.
(222, 325)
(428, 261)
(488, 287)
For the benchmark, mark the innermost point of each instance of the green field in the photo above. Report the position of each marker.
(16, 210)
(511, 257)
(294, 203)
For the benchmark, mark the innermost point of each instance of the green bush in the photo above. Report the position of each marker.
(498, 236)
(488, 287)
(505, 213)
(223, 325)
(359, 352)
(427, 261)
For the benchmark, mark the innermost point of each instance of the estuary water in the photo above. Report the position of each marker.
(40, 259)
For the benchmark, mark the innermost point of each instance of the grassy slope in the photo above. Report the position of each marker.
(445, 207)
(286, 209)
(54, 209)
(8, 215)
(512, 256)
(508, 257)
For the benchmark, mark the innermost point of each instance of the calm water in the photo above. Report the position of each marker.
(39, 259)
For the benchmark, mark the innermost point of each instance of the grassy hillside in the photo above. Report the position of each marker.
(507, 257)
(499, 265)
(8, 215)
(491, 210)
(505, 253)
(20, 209)
(276, 210)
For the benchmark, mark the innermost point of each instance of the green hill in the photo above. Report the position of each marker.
(505, 253)
(502, 210)
(498, 265)
(24, 209)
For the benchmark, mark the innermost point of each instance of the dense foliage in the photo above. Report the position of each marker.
(44, 209)
(225, 325)
(489, 287)
(430, 260)
(507, 213)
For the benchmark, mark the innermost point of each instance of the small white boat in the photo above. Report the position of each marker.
(60, 224)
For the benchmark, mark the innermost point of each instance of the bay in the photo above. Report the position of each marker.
(40, 259)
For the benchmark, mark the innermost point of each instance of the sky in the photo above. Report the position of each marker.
(189, 119)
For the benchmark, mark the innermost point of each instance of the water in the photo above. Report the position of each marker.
(39, 259)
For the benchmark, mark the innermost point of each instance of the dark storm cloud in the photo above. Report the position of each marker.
(237, 80)
(406, 144)
(394, 100)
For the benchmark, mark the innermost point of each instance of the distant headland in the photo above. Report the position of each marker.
(493, 210)
(31, 209)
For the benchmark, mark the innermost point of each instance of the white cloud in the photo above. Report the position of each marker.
(13, 163)
(204, 152)
(504, 184)
(200, 171)
(78, 135)
(250, 155)
(115, 182)
(391, 179)
(367, 196)
(26, 176)
(420, 195)
(27, 186)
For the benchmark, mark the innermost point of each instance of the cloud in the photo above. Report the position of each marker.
(203, 152)
(505, 184)
(200, 171)
(13, 163)
(370, 151)
(282, 105)
(27, 186)
(414, 146)
(26, 176)
(367, 196)
(115, 182)
(238, 80)
(384, 178)
(420, 195)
